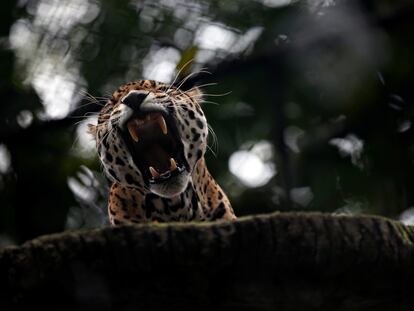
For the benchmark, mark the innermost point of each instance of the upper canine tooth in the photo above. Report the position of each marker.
(133, 131)
(173, 165)
(154, 172)
(163, 125)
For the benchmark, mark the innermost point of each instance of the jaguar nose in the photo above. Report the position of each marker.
(134, 99)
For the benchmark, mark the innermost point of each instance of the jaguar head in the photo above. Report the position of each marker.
(150, 136)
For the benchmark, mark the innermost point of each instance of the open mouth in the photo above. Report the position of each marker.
(155, 146)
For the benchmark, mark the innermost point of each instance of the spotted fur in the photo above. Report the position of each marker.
(193, 195)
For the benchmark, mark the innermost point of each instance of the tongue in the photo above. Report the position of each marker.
(157, 157)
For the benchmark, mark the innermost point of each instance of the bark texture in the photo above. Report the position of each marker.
(286, 261)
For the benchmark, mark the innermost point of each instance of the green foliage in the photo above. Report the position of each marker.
(318, 100)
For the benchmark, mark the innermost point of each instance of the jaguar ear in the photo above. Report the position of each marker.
(195, 93)
(91, 130)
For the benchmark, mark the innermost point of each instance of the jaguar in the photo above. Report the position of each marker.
(151, 138)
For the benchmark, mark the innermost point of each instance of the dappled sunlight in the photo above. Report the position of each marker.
(351, 207)
(407, 217)
(316, 4)
(245, 41)
(302, 196)
(160, 65)
(216, 40)
(350, 146)
(46, 52)
(275, 3)
(85, 144)
(292, 135)
(5, 159)
(90, 193)
(404, 126)
(58, 89)
(24, 118)
(81, 191)
(253, 167)
(59, 17)
(213, 37)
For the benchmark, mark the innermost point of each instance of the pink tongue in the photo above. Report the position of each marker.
(158, 158)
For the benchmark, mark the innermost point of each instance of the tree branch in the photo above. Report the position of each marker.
(287, 261)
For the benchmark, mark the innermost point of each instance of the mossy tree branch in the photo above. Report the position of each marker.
(287, 261)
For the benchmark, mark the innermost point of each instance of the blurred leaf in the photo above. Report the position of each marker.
(185, 65)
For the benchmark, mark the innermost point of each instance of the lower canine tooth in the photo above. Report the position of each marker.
(154, 172)
(133, 132)
(173, 165)
(163, 125)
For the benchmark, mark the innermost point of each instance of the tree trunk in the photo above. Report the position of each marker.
(288, 261)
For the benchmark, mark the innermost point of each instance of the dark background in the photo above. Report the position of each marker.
(311, 101)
